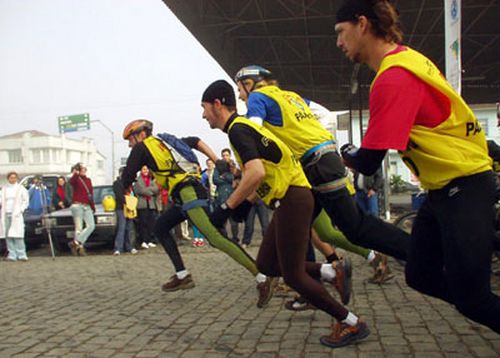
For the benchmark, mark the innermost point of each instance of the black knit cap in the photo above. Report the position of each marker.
(220, 90)
(350, 10)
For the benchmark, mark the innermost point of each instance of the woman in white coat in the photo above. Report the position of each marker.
(14, 201)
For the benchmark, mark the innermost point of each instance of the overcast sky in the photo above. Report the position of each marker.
(115, 59)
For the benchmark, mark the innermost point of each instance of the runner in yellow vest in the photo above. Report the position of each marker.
(290, 117)
(271, 172)
(190, 200)
(414, 110)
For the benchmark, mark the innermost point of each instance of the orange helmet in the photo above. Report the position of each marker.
(137, 126)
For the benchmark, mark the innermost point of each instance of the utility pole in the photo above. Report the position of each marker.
(112, 145)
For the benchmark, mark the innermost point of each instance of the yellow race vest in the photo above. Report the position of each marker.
(456, 147)
(169, 174)
(301, 130)
(279, 176)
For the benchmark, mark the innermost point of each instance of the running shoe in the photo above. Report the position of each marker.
(343, 279)
(282, 290)
(343, 334)
(175, 284)
(381, 270)
(265, 290)
(299, 303)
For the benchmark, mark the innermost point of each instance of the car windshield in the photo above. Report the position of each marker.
(101, 191)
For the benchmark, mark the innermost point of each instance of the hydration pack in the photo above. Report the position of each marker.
(184, 157)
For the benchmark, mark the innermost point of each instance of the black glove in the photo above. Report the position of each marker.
(240, 212)
(348, 149)
(219, 216)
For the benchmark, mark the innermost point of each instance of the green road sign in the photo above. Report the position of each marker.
(73, 123)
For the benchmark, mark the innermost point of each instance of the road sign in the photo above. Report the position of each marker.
(73, 123)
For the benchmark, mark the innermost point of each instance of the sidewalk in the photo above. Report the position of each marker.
(105, 306)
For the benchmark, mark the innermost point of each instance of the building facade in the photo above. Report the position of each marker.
(35, 152)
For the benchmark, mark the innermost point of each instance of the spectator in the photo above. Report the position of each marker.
(39, 197)
(226, 155)
(14, 200)
(82, 208)
(62, 195)
(262, 212)
(367, 188)
(207, 179)
(146, 191)
(223, 179)
(123, 224)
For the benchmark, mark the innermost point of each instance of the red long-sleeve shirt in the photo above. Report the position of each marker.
(79, 192)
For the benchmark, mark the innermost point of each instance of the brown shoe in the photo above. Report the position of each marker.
(282, 290)
(266, 289)
(81, 250)
(73, 246)
(343, 334)
(175, 283)
(381, 270)
(343, 279)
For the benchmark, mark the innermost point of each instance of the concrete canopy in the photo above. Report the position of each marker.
(295, 39)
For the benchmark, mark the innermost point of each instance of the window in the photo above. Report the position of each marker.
(37, 158)
(45, 155)
(100, 164)
(56, 155)
(15, 156)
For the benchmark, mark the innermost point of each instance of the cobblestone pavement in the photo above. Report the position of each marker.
(105, 306)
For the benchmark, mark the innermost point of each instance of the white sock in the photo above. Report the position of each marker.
(181, 275)
(351, 319)
(260, 277)
(327, 272)
(371, 256)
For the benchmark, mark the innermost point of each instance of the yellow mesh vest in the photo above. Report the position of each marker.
(457, 146)
(165, 163)
(301, 130)
(279, 176)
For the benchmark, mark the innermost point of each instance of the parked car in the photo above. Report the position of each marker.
(62, 228)
(50, 181)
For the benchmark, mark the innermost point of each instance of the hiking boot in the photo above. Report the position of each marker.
(343, 334)
(266, 289)
(73, 246)
(175, 283)
(81, 250)
(381, 270)
(299, 303)
(343, 279)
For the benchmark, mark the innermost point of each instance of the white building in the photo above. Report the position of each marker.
(485, 114)
(35, 152)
